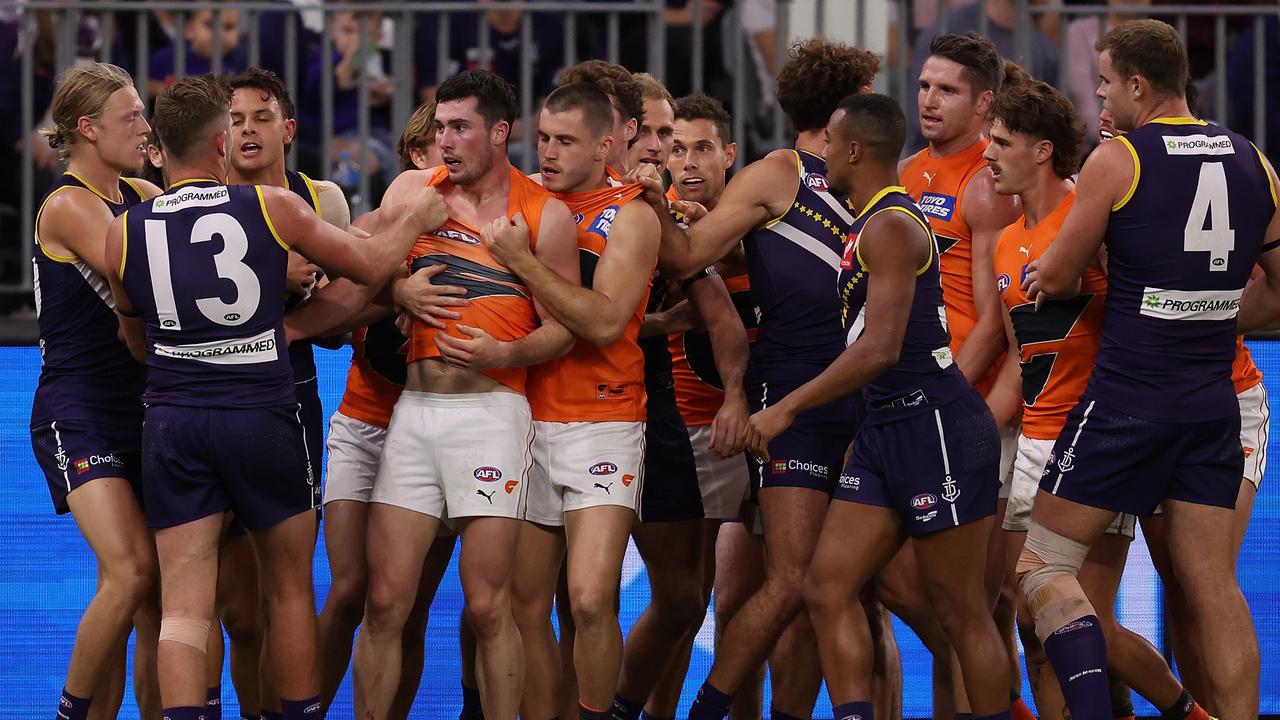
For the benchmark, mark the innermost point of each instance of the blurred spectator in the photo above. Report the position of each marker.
(1240, 84)
(271, 27)
(546, 53)
(198, 49)
(1001, 18)
(351, 58)
(678, 18)
(1082, 60)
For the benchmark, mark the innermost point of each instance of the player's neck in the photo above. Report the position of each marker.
(618, 160)
(178, 173)
(1042, 198)
(495, 182)
(272, 175)
(955, 145)
(599, 179)
(1173, 107)
(811, 141)
(102, 178)
(870, 182)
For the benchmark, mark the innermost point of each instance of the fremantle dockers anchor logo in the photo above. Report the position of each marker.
(950, 492)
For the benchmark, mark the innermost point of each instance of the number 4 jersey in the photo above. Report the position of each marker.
(205, 269)
(1180, 247)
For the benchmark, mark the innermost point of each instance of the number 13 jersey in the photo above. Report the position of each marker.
(205, 269)
(1180, 247)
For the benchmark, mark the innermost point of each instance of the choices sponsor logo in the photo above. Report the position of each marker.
(814, 469)
(603, 468)
(939, 206)
(83, 464)
(488, 473)
(849, 482)
(816, 182)
(1190, 304)
(604, 221)
(779, 467)
(924, 501)
(260, 348)
(1198, 145)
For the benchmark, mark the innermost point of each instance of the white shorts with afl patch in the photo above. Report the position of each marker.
(355, 448)
(1033, 455)
(1255, 431)
(464, 455)
(724, 482)
(583, 465)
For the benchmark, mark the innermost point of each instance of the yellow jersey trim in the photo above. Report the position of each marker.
(1271, 183)
(124, 242)
(799, 179)
(262, 203)
(1137, 173)
(1179, 121)
(95, 190)
(188, 181)
(878, 196)
(141, 195)
(36, 228)
(315, 199)
(857, 249)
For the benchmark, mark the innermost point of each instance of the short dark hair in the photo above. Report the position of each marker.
(596, 109)
(270, 84)
(1150, 48)
(1039, 110)
(876, 122)
(1014, 74)
(983, 66)
(816, 75)
(186, 111)
(495, 97)
(419, 134)
(614, 81)
(705, 107)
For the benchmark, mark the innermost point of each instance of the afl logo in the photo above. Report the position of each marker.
(458, 235)
(1003, 281)
(578, 218)
(924, 501)
(168, 323)
(815, 182)
(488, 474)
(604, 468)
(231, 317)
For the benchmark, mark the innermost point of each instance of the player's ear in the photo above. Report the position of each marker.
(606, 147)
(1044, 151)
(985, 100)
(633, 129)
(730, 154)
(290, 131)
(501, 130)
(220, 142)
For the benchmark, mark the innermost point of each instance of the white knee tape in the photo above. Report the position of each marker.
(192, 632)
(1047, 572)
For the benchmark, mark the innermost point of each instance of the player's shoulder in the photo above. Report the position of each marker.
(72, 205)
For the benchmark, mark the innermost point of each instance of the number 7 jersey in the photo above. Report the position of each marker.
(1180, 247)
(205, 269)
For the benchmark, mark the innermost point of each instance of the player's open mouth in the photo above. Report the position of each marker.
(451, 162)
(250, 149)
(652, 161)
(549, 170)
(692, 183)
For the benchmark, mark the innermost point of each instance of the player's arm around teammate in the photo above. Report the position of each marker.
(712, 303)
(987, 213)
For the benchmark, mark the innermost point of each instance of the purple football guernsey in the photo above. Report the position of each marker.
(792, 262)
(86, 373)
(206, 272)
(925, 375)
(1180, 248)
(300, 353)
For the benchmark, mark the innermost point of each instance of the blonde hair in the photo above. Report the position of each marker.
(651, 88)
(419, 134)
(83, 91)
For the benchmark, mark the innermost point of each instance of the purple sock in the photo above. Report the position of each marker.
(1006, 715)
(213, 702)
(186, 713)
(624, 709)
(302, 709)
(710, 704)
(1078, 653)
(854, 711)
(776, 714)
(71, 707)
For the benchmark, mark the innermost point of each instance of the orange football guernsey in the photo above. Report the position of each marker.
(937, 184)
(594, 384)
(1244, 374)
(1057, 343)
(500, 303)
(377, 373)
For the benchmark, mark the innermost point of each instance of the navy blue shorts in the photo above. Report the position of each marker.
(670, 492)
(938, 469)
(202, 461)
(74, 452)
(1106, 459)
(811, 452)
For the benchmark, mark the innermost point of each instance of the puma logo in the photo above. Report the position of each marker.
(1025, 251)
(928, 178)
(487, 496)
(605, 488)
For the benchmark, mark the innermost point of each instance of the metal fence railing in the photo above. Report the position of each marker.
(421, 42)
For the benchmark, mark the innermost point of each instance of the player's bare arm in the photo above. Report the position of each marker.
(893, 246)
(131, 328)
(364, 260)
(762, 191)
(1005, 396)
(558, 250)
(710, 298)
(74, 222)
(1104, 181)
(987, 214)
(598, 314)
(680, 317)
(1260, 305)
